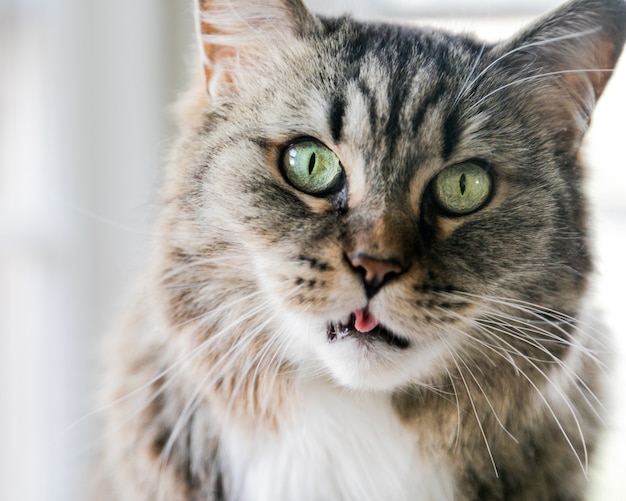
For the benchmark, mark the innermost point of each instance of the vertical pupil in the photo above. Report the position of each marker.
(462, 184)
(311, 163)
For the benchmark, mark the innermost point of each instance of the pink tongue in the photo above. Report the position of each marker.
(364, 322)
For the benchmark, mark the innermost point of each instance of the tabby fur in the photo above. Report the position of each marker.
(227, 380)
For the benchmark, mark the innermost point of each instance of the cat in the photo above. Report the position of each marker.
(371, 274)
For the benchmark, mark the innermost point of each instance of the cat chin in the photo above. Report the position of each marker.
(378, 367)
(377, 364)
(361, 362)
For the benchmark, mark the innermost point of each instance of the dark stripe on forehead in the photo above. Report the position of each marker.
(399, 87)
(450, 135)
(429, 101)
(367, 94)
(392, 128)
(336, 118)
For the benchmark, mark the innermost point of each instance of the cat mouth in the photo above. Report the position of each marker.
(364, 327)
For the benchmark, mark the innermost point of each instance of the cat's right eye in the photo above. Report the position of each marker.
(312, 168)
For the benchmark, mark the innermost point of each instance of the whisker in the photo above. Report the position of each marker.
(245, 372)
(229, 262)
(195, 399)
(523, 47)
(465, 87)
(572, 376)
(493, 410)
(216, 311)
(471, 400)
(489, 332)
(177, 365)
(458, 408)
(567, 402)
(531, 78)
(278, 342)
(507, 328)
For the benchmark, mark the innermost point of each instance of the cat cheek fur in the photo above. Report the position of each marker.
(240, 371)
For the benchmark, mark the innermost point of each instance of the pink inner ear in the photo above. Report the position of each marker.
(364, 322)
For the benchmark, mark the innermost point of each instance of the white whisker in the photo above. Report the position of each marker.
(531, 78)
(471, 400)
(524, 47)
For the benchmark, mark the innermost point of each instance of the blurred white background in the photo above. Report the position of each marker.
(84, 127)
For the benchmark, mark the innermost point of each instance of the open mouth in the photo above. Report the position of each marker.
(364, 326)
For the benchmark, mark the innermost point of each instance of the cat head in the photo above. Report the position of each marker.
(385, 196)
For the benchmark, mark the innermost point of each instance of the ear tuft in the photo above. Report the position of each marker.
(564, 62)
(580, 41)
(239, 34)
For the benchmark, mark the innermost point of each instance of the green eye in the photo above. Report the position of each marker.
(312, 168)
(463, 188)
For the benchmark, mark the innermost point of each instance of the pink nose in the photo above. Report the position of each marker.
(375, 271)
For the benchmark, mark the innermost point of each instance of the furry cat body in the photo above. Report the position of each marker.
(372, 339)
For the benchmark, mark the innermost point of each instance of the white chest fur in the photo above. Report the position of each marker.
(336, 445)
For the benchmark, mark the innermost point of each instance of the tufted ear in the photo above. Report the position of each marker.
(237, 35)
(571, 54)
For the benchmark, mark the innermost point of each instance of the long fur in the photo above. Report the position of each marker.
(228, 379)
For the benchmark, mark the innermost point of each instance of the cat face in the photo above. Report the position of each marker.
(395, 195)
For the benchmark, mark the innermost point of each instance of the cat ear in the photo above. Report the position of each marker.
(239, 35)
(573, 50)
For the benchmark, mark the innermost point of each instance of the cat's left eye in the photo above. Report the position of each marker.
(462, 188)
(312, 168)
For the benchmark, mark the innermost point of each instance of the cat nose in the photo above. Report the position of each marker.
(375, 271)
